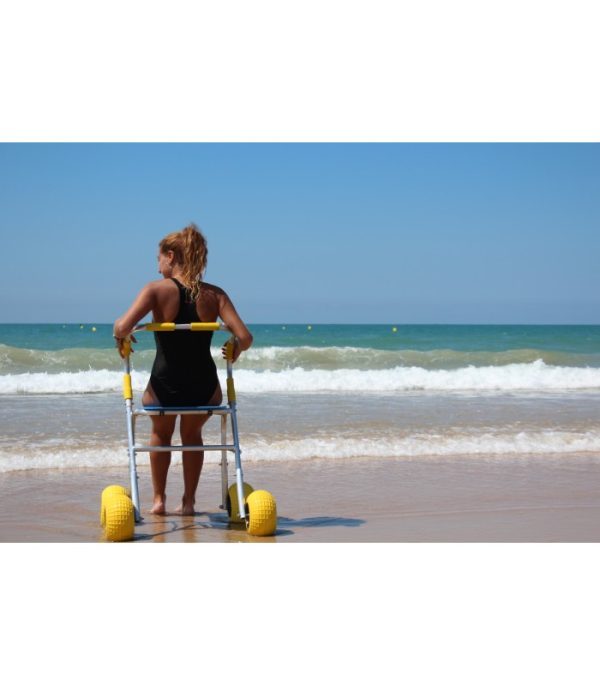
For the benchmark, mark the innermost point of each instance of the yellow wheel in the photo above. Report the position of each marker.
(262, 513)
(232, 501)
(119, 518)
(106, 494)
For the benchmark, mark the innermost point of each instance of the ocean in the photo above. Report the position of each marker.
(360, 392)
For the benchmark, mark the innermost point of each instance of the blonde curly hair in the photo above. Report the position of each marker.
(191, 252)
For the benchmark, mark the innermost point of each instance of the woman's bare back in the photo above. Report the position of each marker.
(208, 304)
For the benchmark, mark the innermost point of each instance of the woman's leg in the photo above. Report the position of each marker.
(191, 434)
(162, 434)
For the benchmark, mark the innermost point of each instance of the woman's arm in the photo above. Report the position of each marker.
(229, 315)
(143, 304)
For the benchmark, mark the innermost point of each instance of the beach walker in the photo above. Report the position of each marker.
(120, 509)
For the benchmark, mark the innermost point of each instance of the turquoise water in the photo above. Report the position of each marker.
(584, 340)
(328, 391)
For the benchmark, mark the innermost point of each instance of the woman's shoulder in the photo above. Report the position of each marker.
(160, 283)
(212, 290)
(160, 286)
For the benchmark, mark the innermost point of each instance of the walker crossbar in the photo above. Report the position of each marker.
(171, 326)
(157, 410)
(160, 410)
(180, 448)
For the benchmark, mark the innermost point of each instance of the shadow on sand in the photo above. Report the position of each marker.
(165, 526)
(319, 521)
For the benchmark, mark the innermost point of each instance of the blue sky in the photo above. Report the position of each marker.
(321, 233)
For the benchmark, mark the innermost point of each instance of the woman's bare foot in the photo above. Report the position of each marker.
(159, 507)
(186, 509)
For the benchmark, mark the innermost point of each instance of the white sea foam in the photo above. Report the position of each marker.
(90, 381)
(535, 376)
(428, 444)
(411, 446)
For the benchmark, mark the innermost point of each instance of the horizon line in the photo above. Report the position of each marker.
(309, 323)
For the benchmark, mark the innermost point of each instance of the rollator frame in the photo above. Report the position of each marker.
(154, 410)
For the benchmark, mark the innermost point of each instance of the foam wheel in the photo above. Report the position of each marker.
(232, 501)
(119, 518)
(107, 493)
(262, 513)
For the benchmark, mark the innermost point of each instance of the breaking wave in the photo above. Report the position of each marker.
(533, 376)
(412, 446)
(277, 358)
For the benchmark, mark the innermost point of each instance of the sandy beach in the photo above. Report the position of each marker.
(457, 499)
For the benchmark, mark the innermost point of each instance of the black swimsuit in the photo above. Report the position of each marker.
(184, 373)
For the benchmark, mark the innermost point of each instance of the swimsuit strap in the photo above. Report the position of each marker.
(187, 308)
(183, 291)
(178, 284)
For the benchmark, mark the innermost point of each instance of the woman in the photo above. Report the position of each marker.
(184, 373)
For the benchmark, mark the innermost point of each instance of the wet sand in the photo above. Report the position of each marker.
(457, 499)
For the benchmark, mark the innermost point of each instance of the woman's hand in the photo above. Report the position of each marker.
(237, 350)
(124, 345)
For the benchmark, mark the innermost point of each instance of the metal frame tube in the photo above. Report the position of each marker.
(224, 474)
(239, 475)
(171, 326)
(133, 477)
(181, 448)
(164, 412)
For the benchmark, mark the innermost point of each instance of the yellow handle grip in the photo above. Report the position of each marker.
(127, 390)
(205, 326)
(229, 350)
(230, 390)
(165, 326)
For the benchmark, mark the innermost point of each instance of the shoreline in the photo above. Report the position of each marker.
(455, 499)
